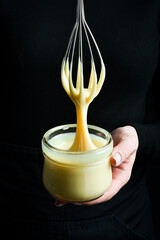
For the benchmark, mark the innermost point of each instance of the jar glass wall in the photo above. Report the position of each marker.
(76, 176)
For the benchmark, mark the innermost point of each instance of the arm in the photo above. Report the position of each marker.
(149, 133)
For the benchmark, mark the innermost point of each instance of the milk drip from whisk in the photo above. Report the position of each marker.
(80, 95)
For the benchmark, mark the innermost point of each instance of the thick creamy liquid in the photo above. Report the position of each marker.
(81, 98)
(65, 141)
(75, 177)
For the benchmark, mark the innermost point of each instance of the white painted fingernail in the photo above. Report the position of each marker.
(117, 158)
(59, 204)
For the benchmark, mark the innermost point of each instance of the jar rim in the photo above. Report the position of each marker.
(66, 127)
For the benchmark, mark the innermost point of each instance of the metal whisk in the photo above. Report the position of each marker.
(79, 94)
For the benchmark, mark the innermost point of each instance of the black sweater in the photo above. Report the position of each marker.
(34, 36)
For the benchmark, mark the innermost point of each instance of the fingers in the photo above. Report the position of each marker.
(121, 152)
(125, 144)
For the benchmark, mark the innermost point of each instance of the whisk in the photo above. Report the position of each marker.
(81, 96)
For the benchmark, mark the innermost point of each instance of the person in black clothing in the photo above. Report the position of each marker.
(34, 36)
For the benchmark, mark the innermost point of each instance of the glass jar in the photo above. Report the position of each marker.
(76, 176)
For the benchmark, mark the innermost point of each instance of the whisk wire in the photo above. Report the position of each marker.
(76, 93)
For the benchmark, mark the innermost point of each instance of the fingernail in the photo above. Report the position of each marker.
(59, 204)
(117, 158)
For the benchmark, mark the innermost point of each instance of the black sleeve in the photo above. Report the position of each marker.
(149, 133)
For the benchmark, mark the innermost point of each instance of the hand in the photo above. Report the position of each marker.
(123, 157)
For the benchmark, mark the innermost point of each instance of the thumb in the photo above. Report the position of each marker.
(121, 152)
(126, 144)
